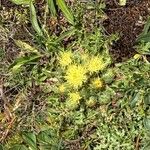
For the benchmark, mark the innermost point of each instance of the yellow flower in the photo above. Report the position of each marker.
(95, 64)
(97, 83)
(75, 75)
(62, 88)
(74, 97)
(65, 58)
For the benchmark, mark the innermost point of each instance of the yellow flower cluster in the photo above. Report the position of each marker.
(77, 69)
(76, 74)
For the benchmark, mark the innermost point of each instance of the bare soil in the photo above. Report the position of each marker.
(128, 22)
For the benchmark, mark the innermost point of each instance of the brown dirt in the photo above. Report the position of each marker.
(7, 3)
(128, 22)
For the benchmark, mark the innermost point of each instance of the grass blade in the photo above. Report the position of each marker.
(144, 38)
(146, 27)
(21, 2)
(67, 13)
(66, 34)
(145, 35)
(22, 61)
(52, 8)
(18, 147)
(34, 20)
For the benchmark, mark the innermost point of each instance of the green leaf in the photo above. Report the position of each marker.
(1, 147)
(147, 123)
(22, 61)
(147, 147)
(30, 140)
(135, 99)
(147, 99)
(144, 48)
(147, 26)
(26, 47)
(44, 137)
(34, 20)
(67, 13)
(145, 30)
(51, 6)
(48, 137)
(19, 147)
(21, 2)
(144, 38)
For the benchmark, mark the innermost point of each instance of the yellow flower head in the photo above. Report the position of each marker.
(75, 75)
(62, 88)
(97, 83)
(65, 58)
(95, 64)
(74, 97)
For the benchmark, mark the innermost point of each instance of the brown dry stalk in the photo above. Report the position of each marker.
(7, 111)
(137, 143)
(5, 133)
(6, 104)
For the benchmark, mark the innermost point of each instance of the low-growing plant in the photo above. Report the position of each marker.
(74, 95)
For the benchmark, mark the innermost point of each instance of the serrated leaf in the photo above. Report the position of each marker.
(34, 20)
(30, 140)
(26, 47)
(19, 147)
(21, 2)
(66, 11)
(51, 6)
